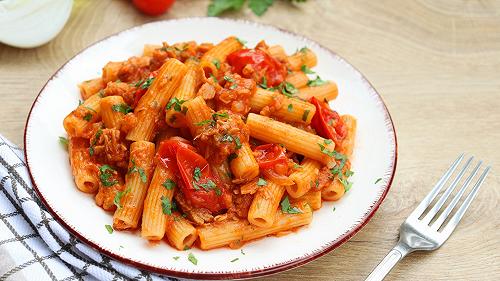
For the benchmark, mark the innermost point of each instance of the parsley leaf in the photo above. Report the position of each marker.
(192, 259)
(232, 156)
(176, 103)
(236, 259)
(305, 114)
(109, 228)
(226, 138)
(259, 7)
(242, 42)
(94, 141)
(105, 174)
(316, 82)
(64, 141)
(140, 171)
(306, 69)
(228, 79)
(261, 182)
(297, 166)
(147, 83)
(237, 142)
(290, 108)
(87, 117)
(176, 257)
(123, 108)
(166, 205)
(216, 62)
(217, 7)
(204, 122)
(169, 184)
(197, 174)
(263, 84)
(379, 179)
(287, 208)
(118, 197)
(288, 89)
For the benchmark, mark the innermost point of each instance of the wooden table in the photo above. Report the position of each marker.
(436, 64)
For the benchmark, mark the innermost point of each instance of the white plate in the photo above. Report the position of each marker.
(375, 156)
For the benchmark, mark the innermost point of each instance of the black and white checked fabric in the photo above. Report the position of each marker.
(38, 247)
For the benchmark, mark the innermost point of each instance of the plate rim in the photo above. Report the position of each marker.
(229, 275)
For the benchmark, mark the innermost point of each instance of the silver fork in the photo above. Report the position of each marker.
(419, 233)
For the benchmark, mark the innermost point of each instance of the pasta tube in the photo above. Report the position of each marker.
(334, 191)
(304, 178)
(79, 121)
(84, 170)
(328, 91)
(131, 202)
(277, 52)
(91, 87)
(294, 139)
(304, 56)
(154, 101)
(113, 108)
(159, 195)
(210, 61)
(180, 233)
(298, 79)
(347, 144)
(265, 203)
(230, 232)
(291, 110)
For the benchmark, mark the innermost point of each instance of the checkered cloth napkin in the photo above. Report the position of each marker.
(33, 246)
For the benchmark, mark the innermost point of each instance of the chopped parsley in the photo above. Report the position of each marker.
(176, 257)
(213, 77)
(118, 197)
(306, 69)
(169, 184)
(303, 50)
(123, 108)
(234, 86)
(334, 209)
(287, 208)
(297, 166)
(166, 205)
(176, 103)
(236, 259)
(305, 114)
(213, 121)
(288, 89)
(94, 142)
(328, 141)
(109, 228)
(261, 182)
(90, 109)
(105, 175)
(290, 108)
(237, 142)
(379, 179)
(228, 79)
(316, 82)
(145, 85)
(87, 117)
(232, 156)
(140, 171)
(64, 142)
(226, 138)
(263, 85)
(192, 259)
(80, 102)
(197, 174)
(216, 62)
(242, 42)
(243, 253)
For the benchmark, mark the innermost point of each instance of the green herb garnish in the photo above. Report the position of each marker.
(287, 208)
(261, 182)
(216, 62)
(105, 175)
(316, 82)
(379, 179)
(192, 259)
(306, 69)
(140, 171)
(169, 184)
(64, 141)
(166, 205)
(305, 114)
(290, 108)
(109, 228)
(118, 197)
(176, 103)
(123, 108)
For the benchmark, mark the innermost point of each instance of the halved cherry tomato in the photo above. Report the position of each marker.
(272, 156)
(263, 64)
(153, 7)
(167, 151)
(327, 122)
(200, 188)
(140, 91)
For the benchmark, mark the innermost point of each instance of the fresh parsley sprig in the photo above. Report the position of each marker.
(140, 171)
(258, 7)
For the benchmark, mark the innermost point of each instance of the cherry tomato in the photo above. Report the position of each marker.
(263, 64)
(167, 151)
(272, 157)
(200, 188)
(140, 91)
(327, 122)
(153, 7)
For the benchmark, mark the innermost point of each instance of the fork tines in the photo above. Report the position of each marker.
(440, 218)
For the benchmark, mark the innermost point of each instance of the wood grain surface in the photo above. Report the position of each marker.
(435, 63)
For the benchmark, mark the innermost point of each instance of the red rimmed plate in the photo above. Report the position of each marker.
(375, 157)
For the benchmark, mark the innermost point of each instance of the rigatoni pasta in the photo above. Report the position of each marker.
(204, 145)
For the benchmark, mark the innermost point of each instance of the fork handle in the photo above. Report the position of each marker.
(385, 266)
